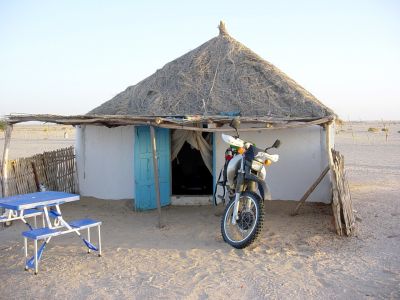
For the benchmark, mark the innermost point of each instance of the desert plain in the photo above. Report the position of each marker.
(295, 257)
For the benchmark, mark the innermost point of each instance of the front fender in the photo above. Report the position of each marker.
(262, 186)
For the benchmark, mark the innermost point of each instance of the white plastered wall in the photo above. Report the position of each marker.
(105, 161)
(302, 159)
(106, 168)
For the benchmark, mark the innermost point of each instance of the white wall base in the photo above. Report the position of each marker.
(191, 200)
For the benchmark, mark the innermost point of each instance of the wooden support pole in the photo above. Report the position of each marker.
(309, 191)
(335, 196)
(4, 164)
(328, 143)
(155, 167)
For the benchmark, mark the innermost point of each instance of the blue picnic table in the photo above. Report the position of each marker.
(47, 204)
(33, 200)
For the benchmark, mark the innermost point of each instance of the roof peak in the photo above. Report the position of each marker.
(222, 28)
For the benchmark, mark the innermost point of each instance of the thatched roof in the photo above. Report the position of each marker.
(220, 76)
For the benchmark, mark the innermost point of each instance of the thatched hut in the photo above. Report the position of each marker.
(191, 100)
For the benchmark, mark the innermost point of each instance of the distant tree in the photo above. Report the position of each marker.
(3, 125)
(385, 129)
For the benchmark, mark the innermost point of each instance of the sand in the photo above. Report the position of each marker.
(27, 140)
(296, 257)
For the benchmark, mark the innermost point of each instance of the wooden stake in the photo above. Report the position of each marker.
(343, 197)
(4, 166)
(155, 167)
(309, 191)
(35, 174)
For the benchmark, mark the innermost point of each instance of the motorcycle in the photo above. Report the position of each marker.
(244, 174)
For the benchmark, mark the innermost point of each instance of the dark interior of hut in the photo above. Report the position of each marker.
(190, 175)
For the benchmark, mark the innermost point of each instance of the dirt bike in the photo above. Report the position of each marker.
(244, 175)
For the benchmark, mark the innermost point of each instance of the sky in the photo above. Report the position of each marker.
(68, 57)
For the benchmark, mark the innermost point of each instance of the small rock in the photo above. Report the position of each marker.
(393, 236)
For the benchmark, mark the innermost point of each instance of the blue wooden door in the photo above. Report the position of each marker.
(145, 195)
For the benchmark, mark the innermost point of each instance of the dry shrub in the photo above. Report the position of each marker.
(3, 126)
(339, 122)
(373, 129)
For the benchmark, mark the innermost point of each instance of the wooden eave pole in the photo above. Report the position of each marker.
(335, 199)
(4, 164)
(155, 168)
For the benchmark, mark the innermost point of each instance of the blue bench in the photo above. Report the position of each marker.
(87, 224)
(16, 215)
(28, 213)
(84, 223)
(40, 233)
(47, 233)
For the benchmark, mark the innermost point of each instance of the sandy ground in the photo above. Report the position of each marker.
(296, 257)
(27, 140)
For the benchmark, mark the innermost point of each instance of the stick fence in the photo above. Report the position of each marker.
(56, 170)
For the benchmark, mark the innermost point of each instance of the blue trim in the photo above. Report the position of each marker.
(214, 165)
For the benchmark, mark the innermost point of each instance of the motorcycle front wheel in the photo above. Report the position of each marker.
(249, 223)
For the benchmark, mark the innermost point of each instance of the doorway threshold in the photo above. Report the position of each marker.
(191, 200)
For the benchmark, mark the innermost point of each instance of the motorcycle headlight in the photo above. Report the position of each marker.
(256, 165)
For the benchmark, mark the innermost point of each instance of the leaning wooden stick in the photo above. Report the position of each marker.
(309, 191)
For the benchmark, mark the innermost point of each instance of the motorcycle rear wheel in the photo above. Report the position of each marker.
(249, 224)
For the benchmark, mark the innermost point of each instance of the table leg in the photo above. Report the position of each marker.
(2, 213)
(21, 217)
(88, 237)
(26, 252)
(76, 230)
(46, 214)
(36, 258)
(99, 240)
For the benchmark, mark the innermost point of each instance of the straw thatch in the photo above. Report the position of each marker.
(220, 76)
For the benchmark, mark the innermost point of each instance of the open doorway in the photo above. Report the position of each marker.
(190, 175)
